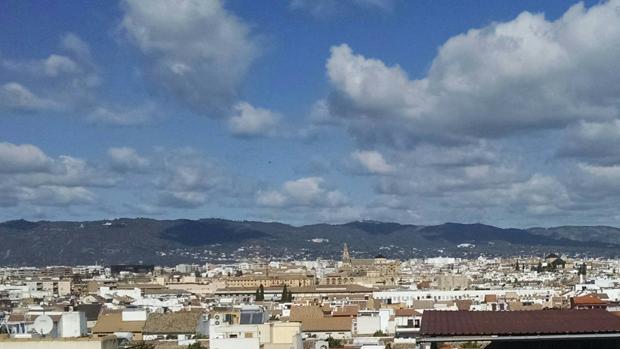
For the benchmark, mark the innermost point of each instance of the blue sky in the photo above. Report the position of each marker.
(309, 111)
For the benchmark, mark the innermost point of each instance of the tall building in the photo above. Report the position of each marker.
(346, 257)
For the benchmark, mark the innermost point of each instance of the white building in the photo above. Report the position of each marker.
(408, 296)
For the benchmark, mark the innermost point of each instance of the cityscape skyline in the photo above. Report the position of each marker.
(309, 174)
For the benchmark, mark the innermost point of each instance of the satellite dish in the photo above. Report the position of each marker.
(43, 325)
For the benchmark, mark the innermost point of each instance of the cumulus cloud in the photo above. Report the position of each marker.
(597, 185)
(54, 66)
(539, 195)
(195, 50)
(29, 176)
(66, 81)
(250, 121)
(592, 142)
(15, 97)
(186, 178)
(62, 80)
(305, 192)
(22, 158)
(78, 47)
(271, 198)
(461, 137)
(51, 195)
(373, 162)
(526, 74)
(125, 159)
(430, 181)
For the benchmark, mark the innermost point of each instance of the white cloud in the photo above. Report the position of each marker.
(56, 65)
(29, 176)
(271, 198)
(593, 142)
(187, 178)
(15, 97)
(196, 50)
(22, 158)
(597, 185)
(525, 74)
(609, 172)
(77, 47)
(304, 192)
(125, 159)
(373, 162)
(62, 81)
(51, 195)
(540, 195)
(250, 121)
(125, 116)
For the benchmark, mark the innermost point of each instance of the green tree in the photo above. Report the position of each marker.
(284, 297)
(290, 297)
(583, 269)
(260, 293)
(378, 334)
(539, 267)
(334, 343)
(194, 346)
(257, 295)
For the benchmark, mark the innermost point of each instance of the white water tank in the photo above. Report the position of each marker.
(72, 324)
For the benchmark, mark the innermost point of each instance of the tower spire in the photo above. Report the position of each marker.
(346, 257)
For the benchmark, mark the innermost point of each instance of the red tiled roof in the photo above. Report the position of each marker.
(348, 310)
(406, 312)
(464, 304)
(587, 299)
(506, 323)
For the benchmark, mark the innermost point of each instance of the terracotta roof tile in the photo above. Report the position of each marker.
(182, 322)
(113, 322)
(406, 312)
(327, 324)
(348, 310)
(536, 322)
(587, 299)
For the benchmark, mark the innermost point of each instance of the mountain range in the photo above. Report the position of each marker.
(167, 242)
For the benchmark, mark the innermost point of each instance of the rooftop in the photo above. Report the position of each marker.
(181, 322)
(587, 299)
(113, 322)
(513, 323)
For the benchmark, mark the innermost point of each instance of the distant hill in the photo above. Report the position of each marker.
(169, 242)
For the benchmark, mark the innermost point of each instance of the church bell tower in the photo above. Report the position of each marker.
(346, 257)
